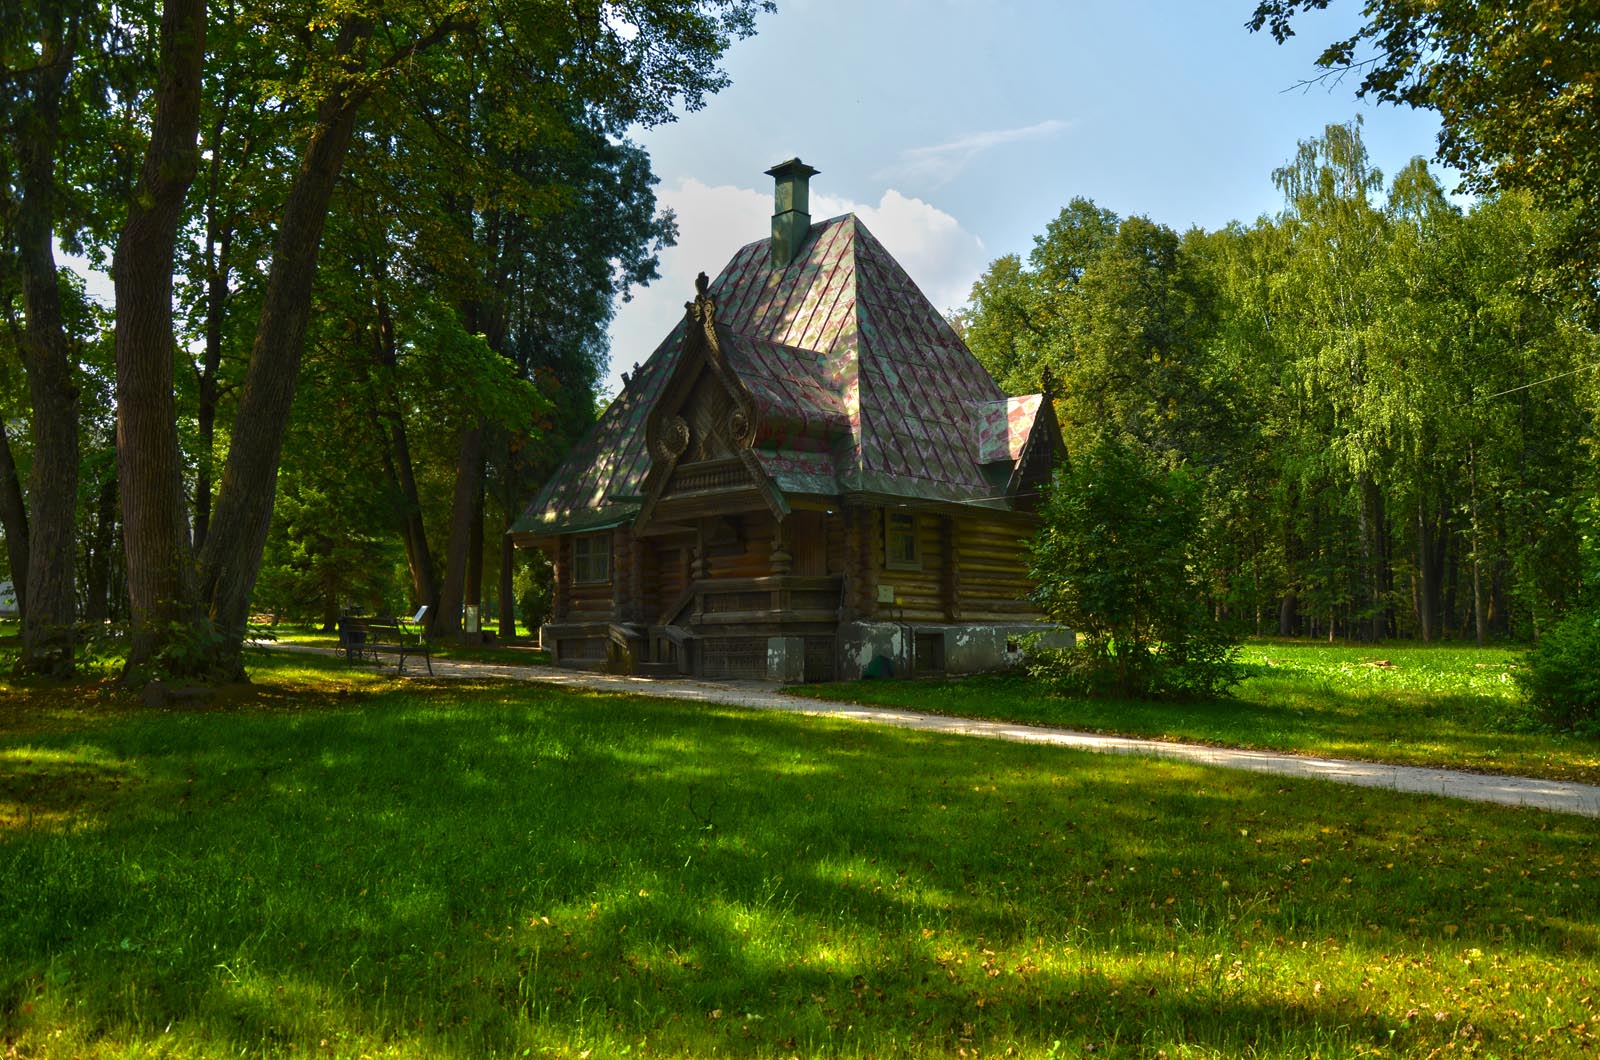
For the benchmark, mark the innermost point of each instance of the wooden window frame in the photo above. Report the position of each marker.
(896, 559)
(602, 555)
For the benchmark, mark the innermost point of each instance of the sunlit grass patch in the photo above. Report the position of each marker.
(419, 869)
(1448, 706)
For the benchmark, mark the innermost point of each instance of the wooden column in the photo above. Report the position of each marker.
(782, 558)
(950, 574)
(561, 582)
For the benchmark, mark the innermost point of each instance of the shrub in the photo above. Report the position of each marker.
(1561, 676)
(1112, 560)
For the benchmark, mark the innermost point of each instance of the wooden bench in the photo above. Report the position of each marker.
(372, 638)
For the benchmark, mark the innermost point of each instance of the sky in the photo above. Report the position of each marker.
(957, 129)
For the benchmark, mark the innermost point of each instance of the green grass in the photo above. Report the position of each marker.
(339, 864)
(1448, 706)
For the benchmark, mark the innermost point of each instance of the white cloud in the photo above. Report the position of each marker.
(939, 164)
(940, 255)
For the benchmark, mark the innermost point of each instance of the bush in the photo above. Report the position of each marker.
(1561, 677)
(1112, 561)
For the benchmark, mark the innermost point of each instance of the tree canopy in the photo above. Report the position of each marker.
(1513, 86)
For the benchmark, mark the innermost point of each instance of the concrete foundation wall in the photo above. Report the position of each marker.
(888, 649)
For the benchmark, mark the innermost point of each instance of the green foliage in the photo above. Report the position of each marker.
(1562, 678)
(1112, 561)
(1387, 403)
(533, 585)
(1513, 93)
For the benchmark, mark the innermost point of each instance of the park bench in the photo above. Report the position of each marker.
(363, 637)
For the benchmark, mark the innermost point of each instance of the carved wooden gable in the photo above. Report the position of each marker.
(703, 427)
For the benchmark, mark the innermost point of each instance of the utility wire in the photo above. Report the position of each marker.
(1538, 382)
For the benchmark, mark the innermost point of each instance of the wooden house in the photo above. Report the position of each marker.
(811, 478)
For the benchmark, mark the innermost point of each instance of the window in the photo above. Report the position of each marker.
(900, 542)
(591, 558)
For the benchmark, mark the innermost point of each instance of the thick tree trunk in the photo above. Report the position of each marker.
(14, 521)
(231, 558)
(1288, 615)
(467, 500)
(53, 482)
(149, 462)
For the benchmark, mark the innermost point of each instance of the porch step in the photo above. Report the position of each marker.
(657, 669)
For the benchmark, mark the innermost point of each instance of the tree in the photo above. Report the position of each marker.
(150, 465)
(1513, 86)
(1112, 560)
(40, 50)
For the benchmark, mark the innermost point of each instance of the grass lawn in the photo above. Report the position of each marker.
(340, 864)
(1451, 706)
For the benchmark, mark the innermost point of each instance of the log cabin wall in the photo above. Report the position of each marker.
(738, 546)
(667, 573)
(992, 571)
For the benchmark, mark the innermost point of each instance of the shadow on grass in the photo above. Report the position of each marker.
(488, 869)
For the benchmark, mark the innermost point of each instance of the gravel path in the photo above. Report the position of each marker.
(1553, 795)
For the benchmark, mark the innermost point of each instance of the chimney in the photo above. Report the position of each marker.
(791, 211)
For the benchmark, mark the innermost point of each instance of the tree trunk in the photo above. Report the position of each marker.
(231, 558)
(1369, 520)
(14, 521)
(219, 272)
(474, 590)
(397, 465)
(98, 570)
(1427, 581)
(53, 481)
(467, 500)
(149, 462)
(508, 559)
(1479, 604)
(1288, 615)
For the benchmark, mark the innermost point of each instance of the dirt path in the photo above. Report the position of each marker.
(1553, 795)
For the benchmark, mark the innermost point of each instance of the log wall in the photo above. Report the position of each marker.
(992, 570)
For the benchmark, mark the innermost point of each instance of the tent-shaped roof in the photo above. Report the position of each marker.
(860, 384)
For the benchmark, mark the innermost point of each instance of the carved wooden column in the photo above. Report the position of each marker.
(782, 559)
(697, 562)
(561, 583)
(950, 581)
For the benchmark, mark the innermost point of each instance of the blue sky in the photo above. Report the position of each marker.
(958, 128)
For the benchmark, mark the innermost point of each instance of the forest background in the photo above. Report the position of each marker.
(392, 249)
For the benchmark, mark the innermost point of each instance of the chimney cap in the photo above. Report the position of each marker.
(792, 168)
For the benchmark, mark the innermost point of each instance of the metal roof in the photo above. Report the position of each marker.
(859, 381)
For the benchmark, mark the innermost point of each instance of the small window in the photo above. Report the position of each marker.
(900, 542)
(591, 559)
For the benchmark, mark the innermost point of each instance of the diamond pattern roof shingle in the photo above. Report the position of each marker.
(861, 385)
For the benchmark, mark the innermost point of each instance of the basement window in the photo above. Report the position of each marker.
(591, 559)
(900, 542)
